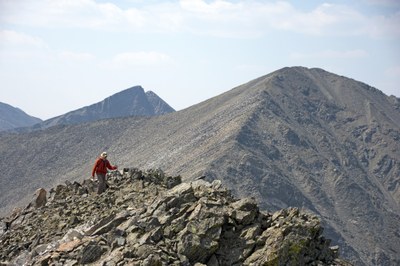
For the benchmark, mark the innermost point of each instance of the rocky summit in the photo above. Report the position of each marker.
(150, 218)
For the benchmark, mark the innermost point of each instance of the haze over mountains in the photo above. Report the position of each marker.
(12, 117)
(296, 137)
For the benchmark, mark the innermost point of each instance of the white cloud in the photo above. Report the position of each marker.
(213, 8)
(135, 59)
(384, 26)
(393, 72)
(326, 19)
(255, 18)
(240, 19)
(75, 56)
(70, 14)
(389, 82)
(332, 54)
(17, 46)
(9, 37)
(389, 3)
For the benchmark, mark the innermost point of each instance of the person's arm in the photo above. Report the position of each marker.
(95, 167)
(111, 167)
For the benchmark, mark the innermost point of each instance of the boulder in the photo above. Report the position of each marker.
(40, 198)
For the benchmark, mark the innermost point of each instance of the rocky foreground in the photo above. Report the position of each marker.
(148, 218)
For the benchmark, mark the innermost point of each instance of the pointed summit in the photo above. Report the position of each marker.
(130, 102)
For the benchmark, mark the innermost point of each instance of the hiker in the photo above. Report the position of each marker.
(100, 168)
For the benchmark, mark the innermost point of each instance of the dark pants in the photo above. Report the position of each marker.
(102, 183)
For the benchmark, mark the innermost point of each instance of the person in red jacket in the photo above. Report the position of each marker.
(100, 169)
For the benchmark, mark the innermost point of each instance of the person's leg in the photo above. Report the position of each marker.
(102, 183)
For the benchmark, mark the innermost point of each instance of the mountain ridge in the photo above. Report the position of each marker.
(133, 101)
(283, 138)
(12, 117)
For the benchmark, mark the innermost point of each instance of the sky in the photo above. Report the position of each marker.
(60, 55)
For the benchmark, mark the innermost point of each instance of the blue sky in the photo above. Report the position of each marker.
(60, 55)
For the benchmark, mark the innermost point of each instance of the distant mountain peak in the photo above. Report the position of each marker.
(133, 101)
(134, 89)
(12, 117)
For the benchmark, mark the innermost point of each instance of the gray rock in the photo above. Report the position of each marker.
(196, 223)
(117, 220)
(40, 199)
(91, 253)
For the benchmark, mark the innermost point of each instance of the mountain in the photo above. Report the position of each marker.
(297, 137)
(11, 117)
(130, 102)
(148, 218)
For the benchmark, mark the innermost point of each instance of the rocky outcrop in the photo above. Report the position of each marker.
(149, 218)
(40, 198)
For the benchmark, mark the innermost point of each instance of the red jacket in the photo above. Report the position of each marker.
(101, 166)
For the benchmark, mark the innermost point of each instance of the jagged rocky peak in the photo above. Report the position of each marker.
(159, 106)
(150, 218)
(133, 101)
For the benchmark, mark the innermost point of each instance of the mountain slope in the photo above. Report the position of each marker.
(297, 137)
(11, 117)
(130, 102)
(310, 145)
(148, 218)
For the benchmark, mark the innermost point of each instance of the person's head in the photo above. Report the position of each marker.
(103, 155)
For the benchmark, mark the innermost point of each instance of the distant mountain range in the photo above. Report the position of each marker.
(130, 102)
(12, 117)
(297, 137)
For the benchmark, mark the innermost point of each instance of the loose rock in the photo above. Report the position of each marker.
(150, 218)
